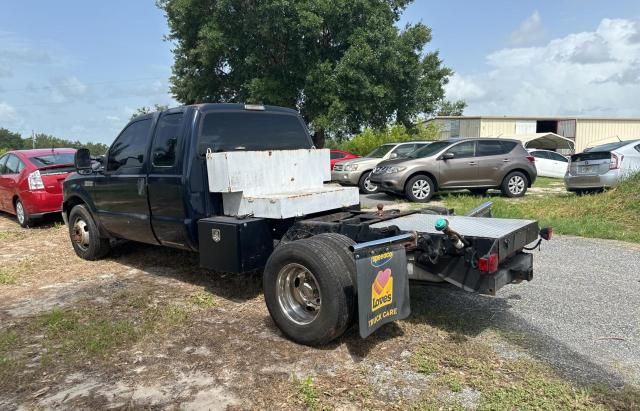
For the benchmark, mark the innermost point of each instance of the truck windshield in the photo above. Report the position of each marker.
(232, 131)
(380, 151)
(430, 149)
(53, 159)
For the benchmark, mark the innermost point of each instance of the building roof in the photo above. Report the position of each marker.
(548, 141)
(535, 118)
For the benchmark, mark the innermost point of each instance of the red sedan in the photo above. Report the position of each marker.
(337, 155)
(31, 182)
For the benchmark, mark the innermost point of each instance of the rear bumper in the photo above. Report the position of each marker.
(516, 269)
(577, 182)
(41, 202)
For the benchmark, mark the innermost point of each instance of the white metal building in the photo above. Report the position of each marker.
(584, 131)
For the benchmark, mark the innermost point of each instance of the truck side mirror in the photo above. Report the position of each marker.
(448, 156)
(82, 159)
(393, 155)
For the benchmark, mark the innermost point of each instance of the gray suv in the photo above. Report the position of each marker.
(356, 172)
(476, 164)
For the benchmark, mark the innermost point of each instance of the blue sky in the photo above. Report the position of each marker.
(78, 69)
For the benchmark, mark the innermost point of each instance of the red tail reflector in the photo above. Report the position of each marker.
(546, 233)
(488, 264)
(531, 159)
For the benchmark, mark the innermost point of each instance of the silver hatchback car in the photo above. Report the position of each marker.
(602, 166)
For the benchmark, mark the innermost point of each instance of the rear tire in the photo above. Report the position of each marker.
(515, 184)
(85, 236)
(365, 185)
(309, 290)
(419, 189)
(22, 215)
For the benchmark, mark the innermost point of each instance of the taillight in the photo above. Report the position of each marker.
(531, 159)
(35, 181)
(546, 233)
(616, 159)
(488, 264)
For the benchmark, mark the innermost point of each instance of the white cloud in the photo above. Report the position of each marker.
(68, 88)
(7, 113)
(531, 31)
(589, 73)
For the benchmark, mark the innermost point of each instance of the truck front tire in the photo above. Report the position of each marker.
(309, 290)
(85, 236)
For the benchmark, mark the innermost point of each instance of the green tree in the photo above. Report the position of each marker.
(10, 140)
(369, 139)
(146, 110)
(452, 108)
(343, 63)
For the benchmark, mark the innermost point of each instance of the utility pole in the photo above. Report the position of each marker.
(33, 139)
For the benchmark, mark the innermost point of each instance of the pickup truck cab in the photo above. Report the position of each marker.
(151, 186)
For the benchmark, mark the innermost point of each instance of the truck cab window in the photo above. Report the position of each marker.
(231, 131)
(127, 152)
(166, 143)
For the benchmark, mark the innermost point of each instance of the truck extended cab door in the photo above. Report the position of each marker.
(165, 181)
(121, 195)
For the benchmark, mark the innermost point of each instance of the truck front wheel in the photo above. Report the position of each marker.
(309, 291)
(85, 236)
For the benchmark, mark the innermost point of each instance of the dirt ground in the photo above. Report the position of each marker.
(146, 328)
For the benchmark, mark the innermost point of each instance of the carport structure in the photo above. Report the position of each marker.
(545, 141)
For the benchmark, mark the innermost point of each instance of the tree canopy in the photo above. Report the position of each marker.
(452, 108)
(148, 109)
(10, 140)
(344, 64)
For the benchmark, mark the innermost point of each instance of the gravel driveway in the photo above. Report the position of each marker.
(581, 312)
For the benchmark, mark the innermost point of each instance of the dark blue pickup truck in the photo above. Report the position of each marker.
(243, 185)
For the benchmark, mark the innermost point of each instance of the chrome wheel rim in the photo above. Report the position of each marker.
(421, 189)
(20, 212)
(516, 185)
(80, 234)
(368, 185)
(298, 294)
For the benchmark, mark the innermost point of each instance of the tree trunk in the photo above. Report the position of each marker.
(319, 138)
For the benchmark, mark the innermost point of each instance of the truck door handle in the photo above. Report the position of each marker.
(506, 160)
(472, 163)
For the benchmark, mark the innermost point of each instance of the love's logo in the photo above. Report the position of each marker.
(382, 290)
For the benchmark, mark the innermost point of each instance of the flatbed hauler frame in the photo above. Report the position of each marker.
(329, 271)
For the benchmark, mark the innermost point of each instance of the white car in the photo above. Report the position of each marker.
(550, 163)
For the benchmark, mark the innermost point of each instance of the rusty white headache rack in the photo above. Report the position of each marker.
(276, 184)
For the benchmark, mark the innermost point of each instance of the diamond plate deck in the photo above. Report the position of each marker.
(466, 226)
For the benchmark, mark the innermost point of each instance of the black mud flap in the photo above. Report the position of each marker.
(383, 286)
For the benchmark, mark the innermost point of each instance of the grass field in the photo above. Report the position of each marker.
(614, 214)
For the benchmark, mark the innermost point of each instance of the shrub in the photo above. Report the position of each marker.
(369, 139)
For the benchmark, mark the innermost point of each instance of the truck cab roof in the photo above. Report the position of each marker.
(208, 107)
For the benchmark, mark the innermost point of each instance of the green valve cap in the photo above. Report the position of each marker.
(441, 224)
